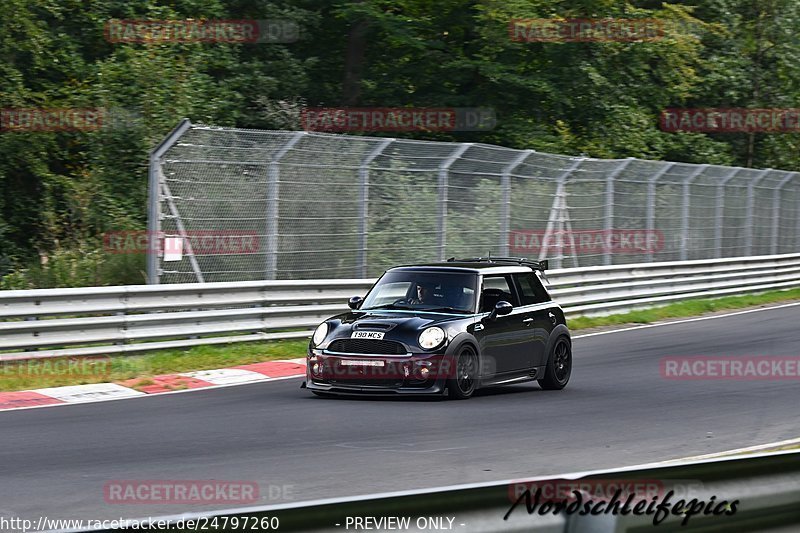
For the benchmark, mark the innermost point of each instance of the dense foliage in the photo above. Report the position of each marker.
(62, 190)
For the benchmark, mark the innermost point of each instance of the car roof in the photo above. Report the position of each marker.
(481, 267)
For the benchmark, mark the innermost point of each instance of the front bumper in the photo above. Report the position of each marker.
(396, 375)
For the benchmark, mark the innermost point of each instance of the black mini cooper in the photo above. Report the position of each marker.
(444, 328)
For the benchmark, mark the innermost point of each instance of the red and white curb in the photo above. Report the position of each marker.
(252, 373)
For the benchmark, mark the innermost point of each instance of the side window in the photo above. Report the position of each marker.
(495, 289)
(530, 289)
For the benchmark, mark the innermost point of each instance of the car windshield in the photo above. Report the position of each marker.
(449, 292)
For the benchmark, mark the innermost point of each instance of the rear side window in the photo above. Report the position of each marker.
(530, 288)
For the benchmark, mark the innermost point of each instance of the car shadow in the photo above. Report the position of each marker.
(508, 389)
(480, 393)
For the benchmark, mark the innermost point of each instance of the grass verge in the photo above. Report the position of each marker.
(35, 374)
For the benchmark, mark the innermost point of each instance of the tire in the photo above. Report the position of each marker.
(463, 384)
(559, 365)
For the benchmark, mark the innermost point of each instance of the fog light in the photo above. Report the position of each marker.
(316, 368)
(424, 373)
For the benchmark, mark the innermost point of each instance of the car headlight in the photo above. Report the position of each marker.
(320, 333)
(431, 338)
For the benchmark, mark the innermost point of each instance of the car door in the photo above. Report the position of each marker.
(538, 316)
(502, 339)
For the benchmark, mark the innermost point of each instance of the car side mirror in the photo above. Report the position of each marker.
(355, 302)
(501, 308)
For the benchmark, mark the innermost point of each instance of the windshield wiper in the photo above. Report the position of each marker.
(386, 306)
(443, 310)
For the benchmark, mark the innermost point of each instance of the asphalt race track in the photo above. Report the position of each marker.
(616, 411)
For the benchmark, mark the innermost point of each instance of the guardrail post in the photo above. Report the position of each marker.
(363, 210)
(685, 210)
(444, 170)
(609, 211)
(651, 201)
(776, 210)
(33, 319)
(719, 211)
(556, 215)
(751, 202)
(505, 207)
(154, 197)
(273, 190)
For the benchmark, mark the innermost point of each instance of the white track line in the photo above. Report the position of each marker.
(731, 453)
(684, 321)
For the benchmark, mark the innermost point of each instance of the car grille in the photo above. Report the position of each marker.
(368, 382)
(367, 346)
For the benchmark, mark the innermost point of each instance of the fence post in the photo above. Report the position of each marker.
(154, 197)
(720, 207)
(751, 203)
(651, 200)
(797, 221)
(363, 210)
(444, 170)
(556, 217)
(609, 211)
(273, 191)
(776, 210)
(685, 210)
(505, 207)
(181, 229)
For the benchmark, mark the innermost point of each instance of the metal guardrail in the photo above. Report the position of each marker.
(114, 320)
(767, 488)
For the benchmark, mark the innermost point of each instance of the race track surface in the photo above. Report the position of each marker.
(616, 411)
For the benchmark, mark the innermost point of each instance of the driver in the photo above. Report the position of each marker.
(424, 294)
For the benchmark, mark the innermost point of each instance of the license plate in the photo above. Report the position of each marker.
(350, 362)
(377, 335)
